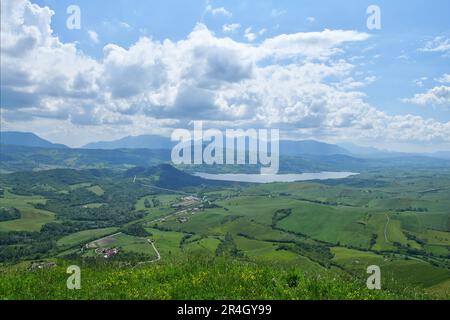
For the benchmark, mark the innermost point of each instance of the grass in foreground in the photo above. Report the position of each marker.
(192, 277)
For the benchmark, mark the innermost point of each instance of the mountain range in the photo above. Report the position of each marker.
(287, 147)
(133, 142)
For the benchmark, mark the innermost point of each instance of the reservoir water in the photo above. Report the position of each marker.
(268, 178)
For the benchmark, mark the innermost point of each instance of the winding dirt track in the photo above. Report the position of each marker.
(158, 256)
(385, 228)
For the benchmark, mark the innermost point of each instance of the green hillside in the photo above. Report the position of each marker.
(156, 220)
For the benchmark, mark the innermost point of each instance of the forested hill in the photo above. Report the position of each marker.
(167, 176)
(163, 176)
(22, 158)
(27, 139)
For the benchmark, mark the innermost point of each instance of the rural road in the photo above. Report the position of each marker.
(385, 228)
(158, 256)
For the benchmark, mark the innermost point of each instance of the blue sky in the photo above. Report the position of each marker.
(405, 27)
(397, 70)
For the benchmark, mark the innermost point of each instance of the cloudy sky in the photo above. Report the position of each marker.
(310, 68)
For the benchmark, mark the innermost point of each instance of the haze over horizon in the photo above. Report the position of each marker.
(313, 73)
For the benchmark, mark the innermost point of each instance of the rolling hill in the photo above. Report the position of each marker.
(133, 142)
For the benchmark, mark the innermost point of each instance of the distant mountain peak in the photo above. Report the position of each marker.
(310, 147)
(27, 139)
(287, 147)
(146, 141)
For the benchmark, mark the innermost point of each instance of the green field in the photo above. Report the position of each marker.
(32, 219)
(167, 242)
(206, 245)
(85, 236)
(330, 224)
(394, 269)
(96, 190)
(129, 244)
(335, 228)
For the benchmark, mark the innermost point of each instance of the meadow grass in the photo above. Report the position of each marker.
(327, 223)
(97, 190)
(32, 219)
(189, 277)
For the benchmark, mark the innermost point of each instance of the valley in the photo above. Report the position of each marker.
(149, 217)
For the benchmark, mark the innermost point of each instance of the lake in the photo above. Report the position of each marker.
(268, 178)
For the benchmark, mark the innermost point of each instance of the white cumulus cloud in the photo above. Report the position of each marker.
(218, 11)
(230, 27)
(93, 36)
(445, 78)
(438, 44)
(297, 82)
(437, 96)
